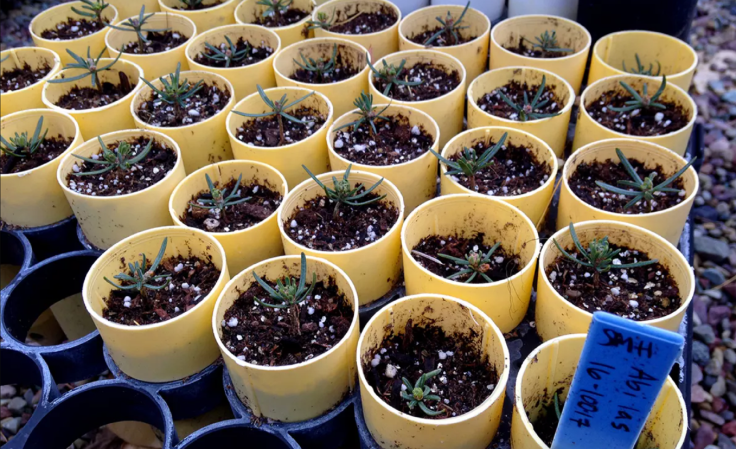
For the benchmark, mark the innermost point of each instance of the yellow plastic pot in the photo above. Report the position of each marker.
(248, 246)
(33, 198)
(447, 110)
(106, 220)
(588, 130)
(676, 58)
(201, 143)
(341, 94)
(556, 316)
(375, 268)
(552, 130)
(467, 215)
(416, 179)
(130, 8)
(533, 203)
(244, 79)
(287, 159)
(49, 18)
(391, 428)
(473, 54)
(154, 65)
(249, 10)
(570, 34)
(103, 120)
(170, 350)
(550, 368)
(205, 19)
(379, 44)
(293, 392)
(28, 97)
(668, 223)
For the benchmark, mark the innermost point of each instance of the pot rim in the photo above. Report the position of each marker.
(572, 23)
(233, 29)
(55, 68)
(135, 56)
(66, 5)
(473, 41)
(386, 3)
(222, 5)
(298, 24)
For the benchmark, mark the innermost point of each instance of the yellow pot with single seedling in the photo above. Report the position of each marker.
(28, 97)
(249, 12)
(217, 13)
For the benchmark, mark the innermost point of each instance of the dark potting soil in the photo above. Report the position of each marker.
(200, 6)
(515, 171)
(435, 79)
(466, 380)
(192, 278)
(444, 40)
(493, 104)
(264, 131)
(524, 48)
(502, 265)
(264, 201)
(639, 122)
(343, 70)
(205, 103)
(80, 98)
(72, 28)
(49, 150)
(582, 183)
(157, 43)
(642, 293)
(254, 54)
(20, 78)
(266, 336)
(314, 226)
(396, 142)
(290, 17)
(149, 171)
(364, 22)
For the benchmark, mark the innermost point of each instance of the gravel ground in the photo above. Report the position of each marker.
(714, 348)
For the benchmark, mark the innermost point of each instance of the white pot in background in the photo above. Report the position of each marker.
(491, 8)
(409, 6)
(562, 8)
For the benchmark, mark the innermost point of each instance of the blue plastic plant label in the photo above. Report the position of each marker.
(621, 372)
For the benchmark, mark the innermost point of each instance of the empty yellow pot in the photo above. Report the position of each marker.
(130, 8)
(379, 44)
(552, 130)
(447, 110)
(202, 143)
(467, 215)
(154, 65)
(416, 179)
(556, 316)
(667, 223)
(106, 220)
(205, 19)
(28, 97)
(533, 203)
(249, 10)
(550, 369)
(248, 246)
(33, 198)
(292, 392)
(588, 130)
(49, 18)
(375, 268)
(287, 159)
(391, 428)
(473, 54)
(675, 58)
(342, 93)
(570, 34)
(170, 350)
(96, 121)
(244, 79)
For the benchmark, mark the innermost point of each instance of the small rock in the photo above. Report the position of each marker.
(729, 96)
(12, 425)
(705, 333)
(712, 417)
(697, 394)
(697, 374)
(714, 276)
(716, 314)
(711, 249)
(725, 443)
(701, 354)
(719, 388)
(7, 391)
(16, 405)
(706, 212)
(729, 428)
(704, 436)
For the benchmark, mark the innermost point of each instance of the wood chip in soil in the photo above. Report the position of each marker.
(313, 225)
(436, 81)
(344, 69)
(444, 40)
(582, 183)
(515, 171)
(642, 293)
(264, 202)
(502, 265)
(254, 54)
(49, 150)
(264, 131)
(639, 122)
(493, 104)
(72, 28)
(265, 336)
(200, 6)
(156, 43)
(467, 378)
(81, 98)
(192, 279)
(152, 169)
(396, 142)
(290, 17)
(205, 103)
(524, 48)
(352, 22)
(22, 77)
